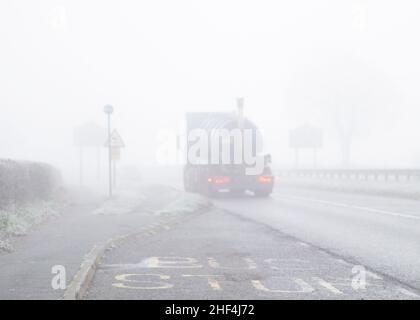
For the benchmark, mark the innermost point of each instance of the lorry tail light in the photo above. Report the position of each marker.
(219, 180)
(265, 179)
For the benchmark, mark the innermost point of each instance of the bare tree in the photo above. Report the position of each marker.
(351, 95)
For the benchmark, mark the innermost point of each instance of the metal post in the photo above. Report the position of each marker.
(108, 109)
(240, 106)
(115, 173)
(98, 164)
(81, 165)
(109, 155)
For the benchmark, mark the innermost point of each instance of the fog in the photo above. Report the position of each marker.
(348, 66)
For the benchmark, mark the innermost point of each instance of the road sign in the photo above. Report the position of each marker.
(306, 137)
(108, 109)
(115, 153)
(116, 140)
(89, 135)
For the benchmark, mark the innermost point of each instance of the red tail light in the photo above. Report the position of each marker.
(219, 180)
(265, 179)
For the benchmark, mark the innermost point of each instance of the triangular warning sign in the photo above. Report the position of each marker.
(116, 140)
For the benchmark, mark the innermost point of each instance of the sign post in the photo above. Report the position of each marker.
(115, 157)
(88, 136)
(108, 109)
(114, 143)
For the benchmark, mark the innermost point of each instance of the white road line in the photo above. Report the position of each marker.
(211, 279)
(327, 285)
(304, 287)
(343, 205)
(374, 275)
(408, 292)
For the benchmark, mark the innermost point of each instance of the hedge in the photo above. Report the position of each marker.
(24, 181)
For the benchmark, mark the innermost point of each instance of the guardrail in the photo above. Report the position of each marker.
(357, 174)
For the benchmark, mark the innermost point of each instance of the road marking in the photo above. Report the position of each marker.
(343, 205)
(327, 285)
(154, 285)
(369, 273)
(215, 264)
(158, 262)
(374, 275)
(305, 287)
(172, 262)
(289, 264)
(304, 244)
(408, 292)
(211, 279)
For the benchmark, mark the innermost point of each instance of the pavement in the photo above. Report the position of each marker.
(26, 273)
(284, 247)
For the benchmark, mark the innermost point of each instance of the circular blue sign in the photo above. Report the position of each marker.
(108, 109)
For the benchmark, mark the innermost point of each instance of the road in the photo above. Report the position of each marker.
(296, 244)
(382, 233)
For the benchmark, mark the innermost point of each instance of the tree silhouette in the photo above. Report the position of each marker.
(349, 94)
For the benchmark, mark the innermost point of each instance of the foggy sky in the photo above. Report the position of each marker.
(61, 61)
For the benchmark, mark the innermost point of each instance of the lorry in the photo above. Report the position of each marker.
(233, 176)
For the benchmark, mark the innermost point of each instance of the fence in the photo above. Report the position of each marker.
(360, 174)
